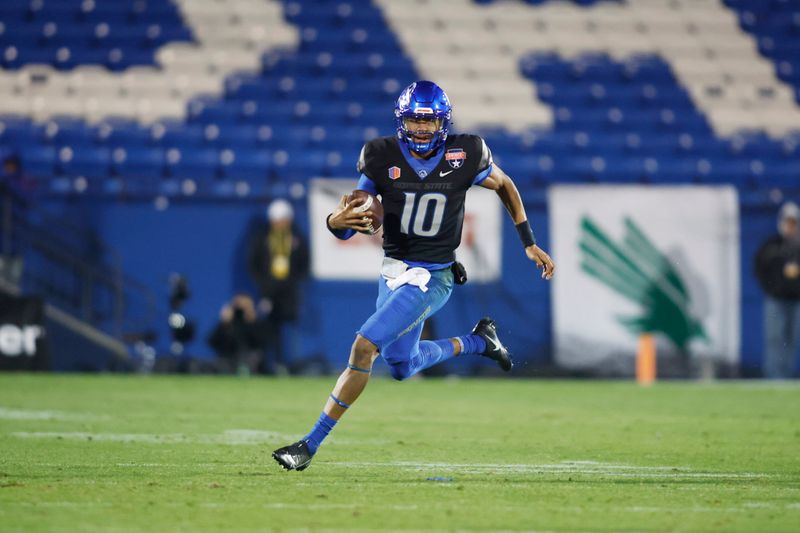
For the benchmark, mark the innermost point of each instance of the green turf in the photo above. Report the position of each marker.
(89, 453)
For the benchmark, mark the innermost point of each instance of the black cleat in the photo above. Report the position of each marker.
(487, 329)
(296, 456)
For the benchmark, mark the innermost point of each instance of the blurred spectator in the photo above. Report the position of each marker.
(237, 338)
(278, 263)
(777, 267)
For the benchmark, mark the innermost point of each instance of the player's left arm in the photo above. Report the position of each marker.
(504, 186)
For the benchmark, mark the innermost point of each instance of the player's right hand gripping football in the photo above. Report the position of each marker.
(541, 259)
(346, 217)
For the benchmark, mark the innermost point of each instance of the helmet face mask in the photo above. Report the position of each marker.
(421, 130)
(422, 115)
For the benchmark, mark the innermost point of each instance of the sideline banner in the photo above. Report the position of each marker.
(22, 334)
(359, 258)
(634, 260)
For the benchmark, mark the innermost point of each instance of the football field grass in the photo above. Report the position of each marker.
(87, 453)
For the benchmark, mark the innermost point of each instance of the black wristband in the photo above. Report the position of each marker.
(336, 232)
(525, 234)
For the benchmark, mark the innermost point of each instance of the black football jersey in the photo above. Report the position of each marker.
(423, 200)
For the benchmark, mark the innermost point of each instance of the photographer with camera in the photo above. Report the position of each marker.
(237, 339)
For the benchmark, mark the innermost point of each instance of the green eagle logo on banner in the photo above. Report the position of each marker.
(636, 270)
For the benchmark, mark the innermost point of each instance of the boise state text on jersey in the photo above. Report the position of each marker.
(423, 199)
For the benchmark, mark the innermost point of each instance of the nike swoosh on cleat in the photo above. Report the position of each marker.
(496, 346)
(443, 174)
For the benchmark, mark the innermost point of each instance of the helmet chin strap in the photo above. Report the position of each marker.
(421, 147)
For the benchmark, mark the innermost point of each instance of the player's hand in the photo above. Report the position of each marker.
(345, 217)
(542, 260)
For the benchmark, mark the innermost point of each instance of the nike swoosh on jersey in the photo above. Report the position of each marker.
(443, 174)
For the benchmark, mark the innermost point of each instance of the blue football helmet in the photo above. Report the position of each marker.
(422, 100)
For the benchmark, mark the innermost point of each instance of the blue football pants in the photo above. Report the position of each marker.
(397, 323)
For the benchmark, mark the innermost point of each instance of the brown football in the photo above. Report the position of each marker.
(370, 206)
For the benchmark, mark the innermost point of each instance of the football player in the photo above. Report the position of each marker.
(422, 175)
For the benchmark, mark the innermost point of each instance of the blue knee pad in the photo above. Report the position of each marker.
(400, 370)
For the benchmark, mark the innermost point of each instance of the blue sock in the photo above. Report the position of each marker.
(473, 344)
(318, 433)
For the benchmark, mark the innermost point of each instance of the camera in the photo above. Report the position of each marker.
(182, 328)
(178, 291)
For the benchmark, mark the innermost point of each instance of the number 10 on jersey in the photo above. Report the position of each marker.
(418, 210)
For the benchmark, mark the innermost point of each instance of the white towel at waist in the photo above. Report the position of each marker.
(413, 276)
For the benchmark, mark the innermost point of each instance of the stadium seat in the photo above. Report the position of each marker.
(139, 163)
(38, 161)
(85, 161)
(67, 131)
(248, 165)
(194, 163)
(17, 131)
(120, 132)
(177, 134)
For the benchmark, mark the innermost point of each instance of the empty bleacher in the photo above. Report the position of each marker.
(137, 96)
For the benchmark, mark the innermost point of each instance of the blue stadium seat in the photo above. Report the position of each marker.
(784, 174)
(254, 112)
(177, 134)
(17, 131)
(86, 161)
(193, 163)
(249, 165)
(66, 130)
(675, 170)
(298, 164)
(249, 87)
(208, 109)
(122, 132)
(234, 135)
(37, 160)
(142, 163)
(733, 171)
(754, 144)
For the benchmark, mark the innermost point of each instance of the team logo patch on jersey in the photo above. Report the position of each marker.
(394, 173)
(455, 157)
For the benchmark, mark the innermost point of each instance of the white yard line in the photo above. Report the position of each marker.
(406, 507)
(231, 437)
(567, 467)
(7, 413)
(64, 504)
(578, 468)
